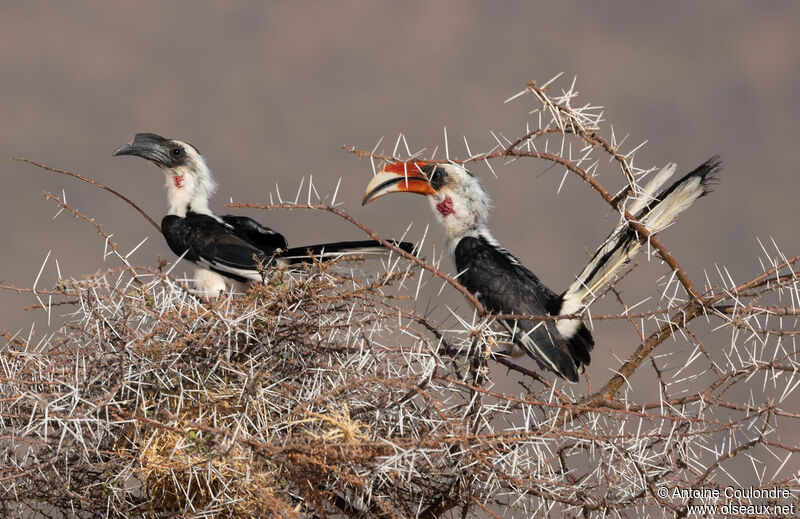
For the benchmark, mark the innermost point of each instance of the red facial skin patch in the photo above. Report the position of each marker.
(445, 207)
(178, 180)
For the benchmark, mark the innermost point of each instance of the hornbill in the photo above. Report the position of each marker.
(503, 285)
(226, 247)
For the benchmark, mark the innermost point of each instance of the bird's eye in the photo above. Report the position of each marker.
(436, 176)
(176, 152)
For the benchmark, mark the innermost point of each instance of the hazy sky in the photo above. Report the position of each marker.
(269, 93)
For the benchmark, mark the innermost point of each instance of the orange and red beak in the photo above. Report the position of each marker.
(399, 177)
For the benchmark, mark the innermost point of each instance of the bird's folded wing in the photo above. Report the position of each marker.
(256, 234)
(229, 253)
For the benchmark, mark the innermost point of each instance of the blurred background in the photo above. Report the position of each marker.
(270, 93)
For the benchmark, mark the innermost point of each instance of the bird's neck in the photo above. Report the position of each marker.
(462, 211)
(189, 188)
(183, 197)
(455, 233)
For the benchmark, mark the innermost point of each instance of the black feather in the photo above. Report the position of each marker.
(253, 232)
(310, 252)
(707, 171)
(503, 285)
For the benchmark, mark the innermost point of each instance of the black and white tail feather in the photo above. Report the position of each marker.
(656, 209)
(336, 250)
(653, 209)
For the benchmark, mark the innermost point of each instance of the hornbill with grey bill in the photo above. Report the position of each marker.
(228, 248)
(503, 285)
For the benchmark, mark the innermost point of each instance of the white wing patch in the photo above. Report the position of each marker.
(530, 345)
(251, 274)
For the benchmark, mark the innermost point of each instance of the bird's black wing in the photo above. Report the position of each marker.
(503, 285)
(213, 245)
(578, 338)
(256, 234)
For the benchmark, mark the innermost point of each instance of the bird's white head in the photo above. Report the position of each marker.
(456, 196)
(189, 181)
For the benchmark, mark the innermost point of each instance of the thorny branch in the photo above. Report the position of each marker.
(94, 183)
(338, 212)
(328, 392)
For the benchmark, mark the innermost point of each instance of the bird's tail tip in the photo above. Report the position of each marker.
(708, 172)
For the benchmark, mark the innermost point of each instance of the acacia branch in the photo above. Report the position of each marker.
(94, 183)
(372, 234)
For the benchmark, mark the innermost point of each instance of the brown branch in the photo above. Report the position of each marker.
(100, 231)
(591, 136)
(94, 183)
(422, 263)
(616, 204)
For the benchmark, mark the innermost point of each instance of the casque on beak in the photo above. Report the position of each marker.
(148, 146)
(399, 177)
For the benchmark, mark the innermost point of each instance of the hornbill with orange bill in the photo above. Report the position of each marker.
(503, 285)
(228, 248)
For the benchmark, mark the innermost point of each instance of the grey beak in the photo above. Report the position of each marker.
(148, 146)
(126, 149)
